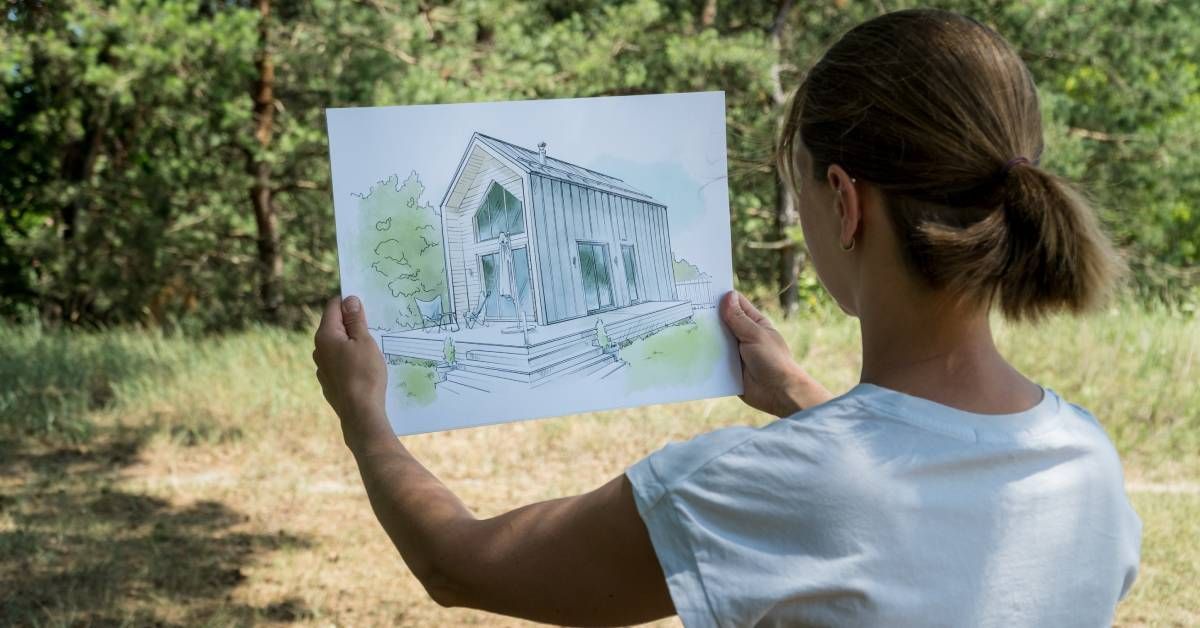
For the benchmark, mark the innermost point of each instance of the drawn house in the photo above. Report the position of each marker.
(584, 246)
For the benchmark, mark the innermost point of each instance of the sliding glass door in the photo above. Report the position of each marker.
(597, 285)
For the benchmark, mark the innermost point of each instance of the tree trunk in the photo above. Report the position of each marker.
(789, 257)
(77, 165)
(786, 216)
(270, 260)
(708, 15)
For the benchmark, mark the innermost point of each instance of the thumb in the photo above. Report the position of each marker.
(354, 318)
(739, 322)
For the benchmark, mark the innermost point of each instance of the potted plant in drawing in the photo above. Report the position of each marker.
(451, 359)
(602, 340)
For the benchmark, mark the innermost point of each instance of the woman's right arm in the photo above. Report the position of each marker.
(773, 381)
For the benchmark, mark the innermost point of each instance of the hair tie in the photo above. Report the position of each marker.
(1012, 163)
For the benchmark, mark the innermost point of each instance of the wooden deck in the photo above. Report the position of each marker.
(486, 354)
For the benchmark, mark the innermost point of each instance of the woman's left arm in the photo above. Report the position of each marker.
(582, 560)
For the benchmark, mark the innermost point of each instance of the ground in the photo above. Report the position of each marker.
(182, 482)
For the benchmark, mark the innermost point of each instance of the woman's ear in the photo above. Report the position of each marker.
(847, 203)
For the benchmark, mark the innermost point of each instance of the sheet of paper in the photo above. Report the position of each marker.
(538, 258)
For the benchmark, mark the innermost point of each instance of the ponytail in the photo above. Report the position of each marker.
(926, 105)
(1040, 251)
(1058, 257)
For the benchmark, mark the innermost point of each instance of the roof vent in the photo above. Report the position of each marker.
(542, 153)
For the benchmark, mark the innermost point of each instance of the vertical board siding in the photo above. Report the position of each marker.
(564, 213)
(668, 275)
(531, 240)
(647, 241)
(660, 251)
(577, 231)
(637, 233)
(652, 251)
(541, 231)
(555, 231)
(669, 264)
(566, 298)
(457, 272)
(566, 295)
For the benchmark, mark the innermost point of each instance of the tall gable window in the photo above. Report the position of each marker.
(500, 212)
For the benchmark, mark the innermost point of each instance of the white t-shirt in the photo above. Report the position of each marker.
(880, 508)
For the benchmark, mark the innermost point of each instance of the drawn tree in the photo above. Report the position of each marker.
(685, 270)
(602, 339)
(401, 244)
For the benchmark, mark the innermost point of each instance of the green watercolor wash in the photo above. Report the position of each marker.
(415, 380)
(678, 354)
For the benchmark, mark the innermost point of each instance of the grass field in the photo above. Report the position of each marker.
(169, 481)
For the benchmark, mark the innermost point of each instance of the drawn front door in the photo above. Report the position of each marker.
(630, 260)
(501, 307)
(597, 285)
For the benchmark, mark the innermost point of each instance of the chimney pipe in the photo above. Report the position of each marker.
(542, 153)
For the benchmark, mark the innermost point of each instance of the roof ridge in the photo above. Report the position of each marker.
(529, 150)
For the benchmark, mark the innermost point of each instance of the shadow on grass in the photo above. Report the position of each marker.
(78, 550)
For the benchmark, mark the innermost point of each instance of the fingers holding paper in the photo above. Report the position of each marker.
(772, 380)
(351, 370)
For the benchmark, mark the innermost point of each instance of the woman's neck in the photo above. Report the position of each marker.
(941, 351)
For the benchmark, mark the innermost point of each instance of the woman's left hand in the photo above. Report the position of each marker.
(352, 372)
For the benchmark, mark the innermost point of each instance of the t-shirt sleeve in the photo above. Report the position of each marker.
(654, 479)
(723, 511)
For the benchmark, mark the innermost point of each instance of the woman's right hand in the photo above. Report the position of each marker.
(773, 381)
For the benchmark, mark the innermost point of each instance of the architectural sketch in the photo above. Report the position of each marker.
(550, 268)
(526, 259)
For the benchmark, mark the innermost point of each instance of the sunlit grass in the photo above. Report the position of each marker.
(147, 478)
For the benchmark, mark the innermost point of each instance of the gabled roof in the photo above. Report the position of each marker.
(530, 161)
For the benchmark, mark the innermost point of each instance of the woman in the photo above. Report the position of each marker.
(946, 488)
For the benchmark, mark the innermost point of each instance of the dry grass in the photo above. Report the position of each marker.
(203, 482)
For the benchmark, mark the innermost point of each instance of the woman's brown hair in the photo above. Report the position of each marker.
(941, 114)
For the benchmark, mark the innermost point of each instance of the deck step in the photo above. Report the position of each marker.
(488, 366)
(564, 363)
(610, 369)
(456, 388)
(473, 380)
(576, 371)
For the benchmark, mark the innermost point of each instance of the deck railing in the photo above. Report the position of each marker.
(698, 291)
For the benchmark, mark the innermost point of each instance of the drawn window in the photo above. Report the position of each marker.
(499, 212)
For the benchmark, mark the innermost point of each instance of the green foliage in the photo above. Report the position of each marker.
(602, 339)
(448, 350)
(401, 240)
(415, 382)
(685, 270)
(128, 128)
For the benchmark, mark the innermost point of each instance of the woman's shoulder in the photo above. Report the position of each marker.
(811, 438)
(840, 441)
